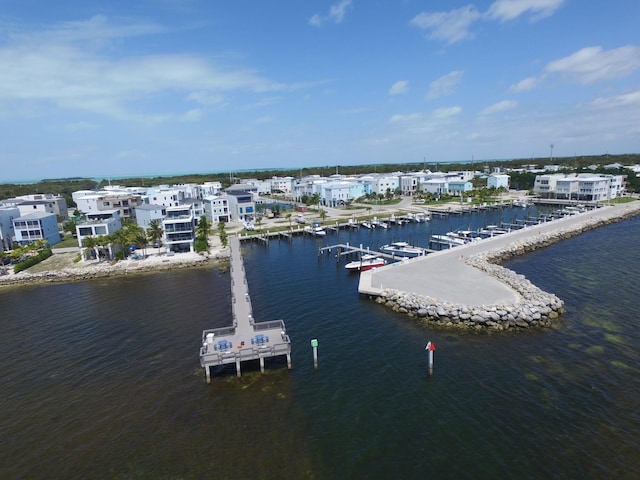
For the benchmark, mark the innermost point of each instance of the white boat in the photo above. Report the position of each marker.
(315, 229)
(366, 262)
(450, 240)
(402, 249)
(367, 224)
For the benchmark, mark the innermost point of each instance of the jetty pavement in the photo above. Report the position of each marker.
(445, 276)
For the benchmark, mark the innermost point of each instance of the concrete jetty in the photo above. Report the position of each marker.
(245, 339)
(464, 286)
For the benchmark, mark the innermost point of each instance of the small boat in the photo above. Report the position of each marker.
(366, 262)
(402, 249)
(316, 229)
(367, 224)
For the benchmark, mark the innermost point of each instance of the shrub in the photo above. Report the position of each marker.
(31, 261)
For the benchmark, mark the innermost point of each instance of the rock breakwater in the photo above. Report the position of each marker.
(534, 308)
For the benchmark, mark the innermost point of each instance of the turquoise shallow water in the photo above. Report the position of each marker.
(101, 379)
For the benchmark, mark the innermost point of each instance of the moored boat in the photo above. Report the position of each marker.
(366, 262)
(402, 249)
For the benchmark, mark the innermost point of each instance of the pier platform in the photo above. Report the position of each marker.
(245, 339)
(445, 276)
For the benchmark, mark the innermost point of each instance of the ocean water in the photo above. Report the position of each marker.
(101, 379)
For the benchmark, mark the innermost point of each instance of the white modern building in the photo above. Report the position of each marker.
(179, 229)
(216, 209)
(498, 181)
(585, 187)
(145, 214)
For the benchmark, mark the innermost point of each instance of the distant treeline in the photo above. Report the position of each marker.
(522, 181)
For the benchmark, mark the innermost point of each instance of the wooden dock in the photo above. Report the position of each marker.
(343, 249)
(245, 339)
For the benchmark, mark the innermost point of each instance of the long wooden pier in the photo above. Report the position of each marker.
(245, 339)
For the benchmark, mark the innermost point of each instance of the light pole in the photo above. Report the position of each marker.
(551, 146)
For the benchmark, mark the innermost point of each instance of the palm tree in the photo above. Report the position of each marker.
(155, 231)
(323, 214)
(289, 218)
(122, 238)
(142, 240)
(90, 243)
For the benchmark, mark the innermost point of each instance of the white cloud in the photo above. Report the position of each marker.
(593, 64)
(524, 85)
(448, 112)
(399, 87)
(192, 115)
(505, 10)
(59, 68)
(412, 117)
(336, 14)
(631, 99)
(451, 27)
(502, 106)
(444, 85)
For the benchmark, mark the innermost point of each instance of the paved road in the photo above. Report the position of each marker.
(445, 276)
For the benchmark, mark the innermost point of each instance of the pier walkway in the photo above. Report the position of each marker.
(445, 276)
(245, 339)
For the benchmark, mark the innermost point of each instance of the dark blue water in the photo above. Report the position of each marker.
(101, 379)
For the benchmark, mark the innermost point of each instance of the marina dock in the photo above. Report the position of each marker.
(245, 339)
(446, 277)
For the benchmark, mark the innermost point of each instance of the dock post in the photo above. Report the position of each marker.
(430, 348)
(238, 372)
(289, 361)
(261, 364)
(314, 344)
(208, 373)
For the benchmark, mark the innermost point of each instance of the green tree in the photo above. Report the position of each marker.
(222, 233)
(155, 231)
(91, 244)
(142, 240)
(202, 235)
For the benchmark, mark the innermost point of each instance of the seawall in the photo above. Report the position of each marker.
(532, 306)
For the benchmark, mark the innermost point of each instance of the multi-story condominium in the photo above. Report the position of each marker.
(208, 189)
(98, 223)
(283, 185)
(88, 201)
(242, 205)
(7, 233)
(165, 196)
(179, 229)
(436, 186)
(216, 209)
(40, 202)
(586, 187)
(409, 184)
(145, 214)
(37, 226)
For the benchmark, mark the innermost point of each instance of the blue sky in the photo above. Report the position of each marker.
(118, 88)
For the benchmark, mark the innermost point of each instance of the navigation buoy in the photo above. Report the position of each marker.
(430, 348)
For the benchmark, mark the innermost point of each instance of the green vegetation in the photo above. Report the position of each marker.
(521, 181)
(202, 235)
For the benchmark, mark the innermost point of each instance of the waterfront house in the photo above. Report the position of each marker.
(37, 226)
(179, 229)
